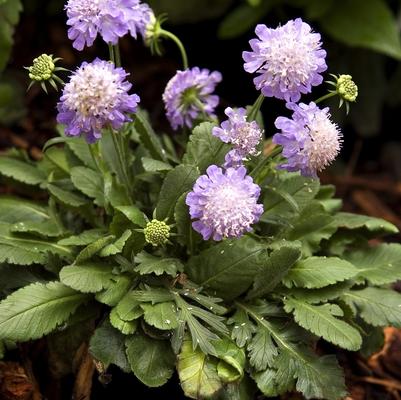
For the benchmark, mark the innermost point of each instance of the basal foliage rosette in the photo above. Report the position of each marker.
(217, 258)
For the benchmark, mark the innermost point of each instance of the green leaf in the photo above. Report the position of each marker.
(152, 361)
(232, 361)
(89, 278)
(125, 327)
(20, 256)
(162, 315)
(378, 307)
(133, 214)
(13, 209)
(84, 238)
(262, 350)
(37, 309)
(66, 197)
(116, 247)
(80, 148)
(49, 228)
(243, 328)
(318, 272)
(21, 171)
(378, 265)
(186, 235)
(153, 295)
(302, 190)
(274, 270)
(107, 345)
(93, 248)
(89, 182)
(364, 24)
(204, 149)
(151, 165)
(148, 264)
(321, 320)
(197, 372)
(375, 226)
(148, 137)
(228, 267)
(117, 289)
(31, 244)
(177, 182)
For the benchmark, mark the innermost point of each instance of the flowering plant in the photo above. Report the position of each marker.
(220, 255)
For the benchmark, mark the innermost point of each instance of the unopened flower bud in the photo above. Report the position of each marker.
(346, 88)
(157, 232)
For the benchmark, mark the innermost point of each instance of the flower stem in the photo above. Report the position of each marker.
(117, 55)
(94, 156)
(263, 162)
(111, 54)
(178, 42)
(325, 97)
(253, 112)
(120, 157)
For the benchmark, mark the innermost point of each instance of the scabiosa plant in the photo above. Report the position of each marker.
(189, 95)
(224, 204)
(310, 140)
(96, 96)
(243, 135)
(111, 19)
(289, 60)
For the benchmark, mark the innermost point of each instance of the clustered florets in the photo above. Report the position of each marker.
(310, 140)
(157, 233)
(243, 135)
(189, 95)
(111, 19)
(289, 60)
(224, 203)
(96, 96)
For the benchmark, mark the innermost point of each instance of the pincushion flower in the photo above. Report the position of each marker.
(289, 60)
(224, 204)
(111, 19)
(189, 94)
(310, 140)
(96, 96)
(244, 135)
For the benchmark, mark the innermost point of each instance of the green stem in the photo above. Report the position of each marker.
(253, 112)
(111, 54)
(263, 162)
(121, 160)
(94, 156)
(325, 97)
(117, 55)
(178, 42)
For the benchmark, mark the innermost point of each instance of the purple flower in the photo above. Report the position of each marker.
(288, 60)
(245, 136)
(111, 19)
(189, 95)
(97, 95)
(310, 140)
(224, 204)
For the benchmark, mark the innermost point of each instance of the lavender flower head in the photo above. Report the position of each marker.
(111, 19)
(189, 94)
(97, 95)
(310, 140)
(244, 135)
(288, 60)
(224, 204)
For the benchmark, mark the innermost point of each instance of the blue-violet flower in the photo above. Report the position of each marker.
(189, 94)
(244, 135)
(310, 140)
(111, 19)
(289, 60)
(97, 95)
(224, 203)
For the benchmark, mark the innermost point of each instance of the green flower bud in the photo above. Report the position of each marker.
(43, 70)
(153, 33)
(346, 88)
(157, 232)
